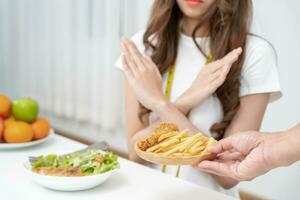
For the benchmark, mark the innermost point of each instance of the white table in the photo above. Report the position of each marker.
(133, 181)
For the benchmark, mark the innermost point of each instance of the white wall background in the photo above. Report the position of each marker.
(36, 36)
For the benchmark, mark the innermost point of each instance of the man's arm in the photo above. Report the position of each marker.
(288, 150)
(247, 155)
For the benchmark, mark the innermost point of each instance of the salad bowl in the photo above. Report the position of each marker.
(90, 174)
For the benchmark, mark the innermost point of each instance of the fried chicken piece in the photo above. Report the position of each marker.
(153, 138)
(143, 145)
(149, 142)
(166, 128)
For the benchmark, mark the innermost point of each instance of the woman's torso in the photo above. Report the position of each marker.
(189, 62)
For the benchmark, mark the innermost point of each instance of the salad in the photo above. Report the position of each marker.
(90, 162)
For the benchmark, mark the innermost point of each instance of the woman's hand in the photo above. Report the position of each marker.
(142, 75)
(210, 78)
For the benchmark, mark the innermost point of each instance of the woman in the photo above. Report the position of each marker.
(218, 77)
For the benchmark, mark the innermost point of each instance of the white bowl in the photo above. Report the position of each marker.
(62, 183)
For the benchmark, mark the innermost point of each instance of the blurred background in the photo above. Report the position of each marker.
(62, 54)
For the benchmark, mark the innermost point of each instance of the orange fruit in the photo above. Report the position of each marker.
(5, 106)
(7, 121)
(1, 127)
(18, 132)
(41, 128)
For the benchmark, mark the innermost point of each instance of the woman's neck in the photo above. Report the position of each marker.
(189, 25)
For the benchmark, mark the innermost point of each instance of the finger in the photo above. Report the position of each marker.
(140, 58)
(134, 53)
(130, 63)
(213, 76)
(152, 65)
(231, 156)
(232, 56)
(124, 63)
(229, 59)
(220, 169)
(217, 66)
(127, 70)
(126, 53)
(218, 79)
(218, 74)
(212, 172)
(226, 69)
(213, 66)
(209, 171)
(222, 146)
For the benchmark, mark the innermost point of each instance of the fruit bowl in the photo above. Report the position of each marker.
(7, 146)
(20, 123)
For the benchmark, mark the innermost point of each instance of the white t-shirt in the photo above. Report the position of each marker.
(259, 75)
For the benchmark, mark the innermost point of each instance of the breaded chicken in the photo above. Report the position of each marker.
(166, 128)
(153, 138)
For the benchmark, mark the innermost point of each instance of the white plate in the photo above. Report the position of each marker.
(63, 183)
(5, 146)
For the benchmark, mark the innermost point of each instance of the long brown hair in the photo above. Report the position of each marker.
(229, 22)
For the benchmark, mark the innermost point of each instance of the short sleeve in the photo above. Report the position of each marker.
(260, 71)
(138, 41)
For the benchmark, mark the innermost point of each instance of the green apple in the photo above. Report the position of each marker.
(25, 109)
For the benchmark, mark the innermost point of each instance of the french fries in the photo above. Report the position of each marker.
(175, 143)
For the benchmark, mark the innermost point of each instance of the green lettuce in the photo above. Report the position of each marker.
(89, 162)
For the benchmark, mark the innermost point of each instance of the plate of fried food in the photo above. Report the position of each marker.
(168, 145)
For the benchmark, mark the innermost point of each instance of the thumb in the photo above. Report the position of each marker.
(222, 146)
(215, 167)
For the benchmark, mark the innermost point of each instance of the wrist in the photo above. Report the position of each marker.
(160, 104)
(181, 106)
(156, 101)
(292, 146)
(274, 156)
(285, 148)
(191, 99)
